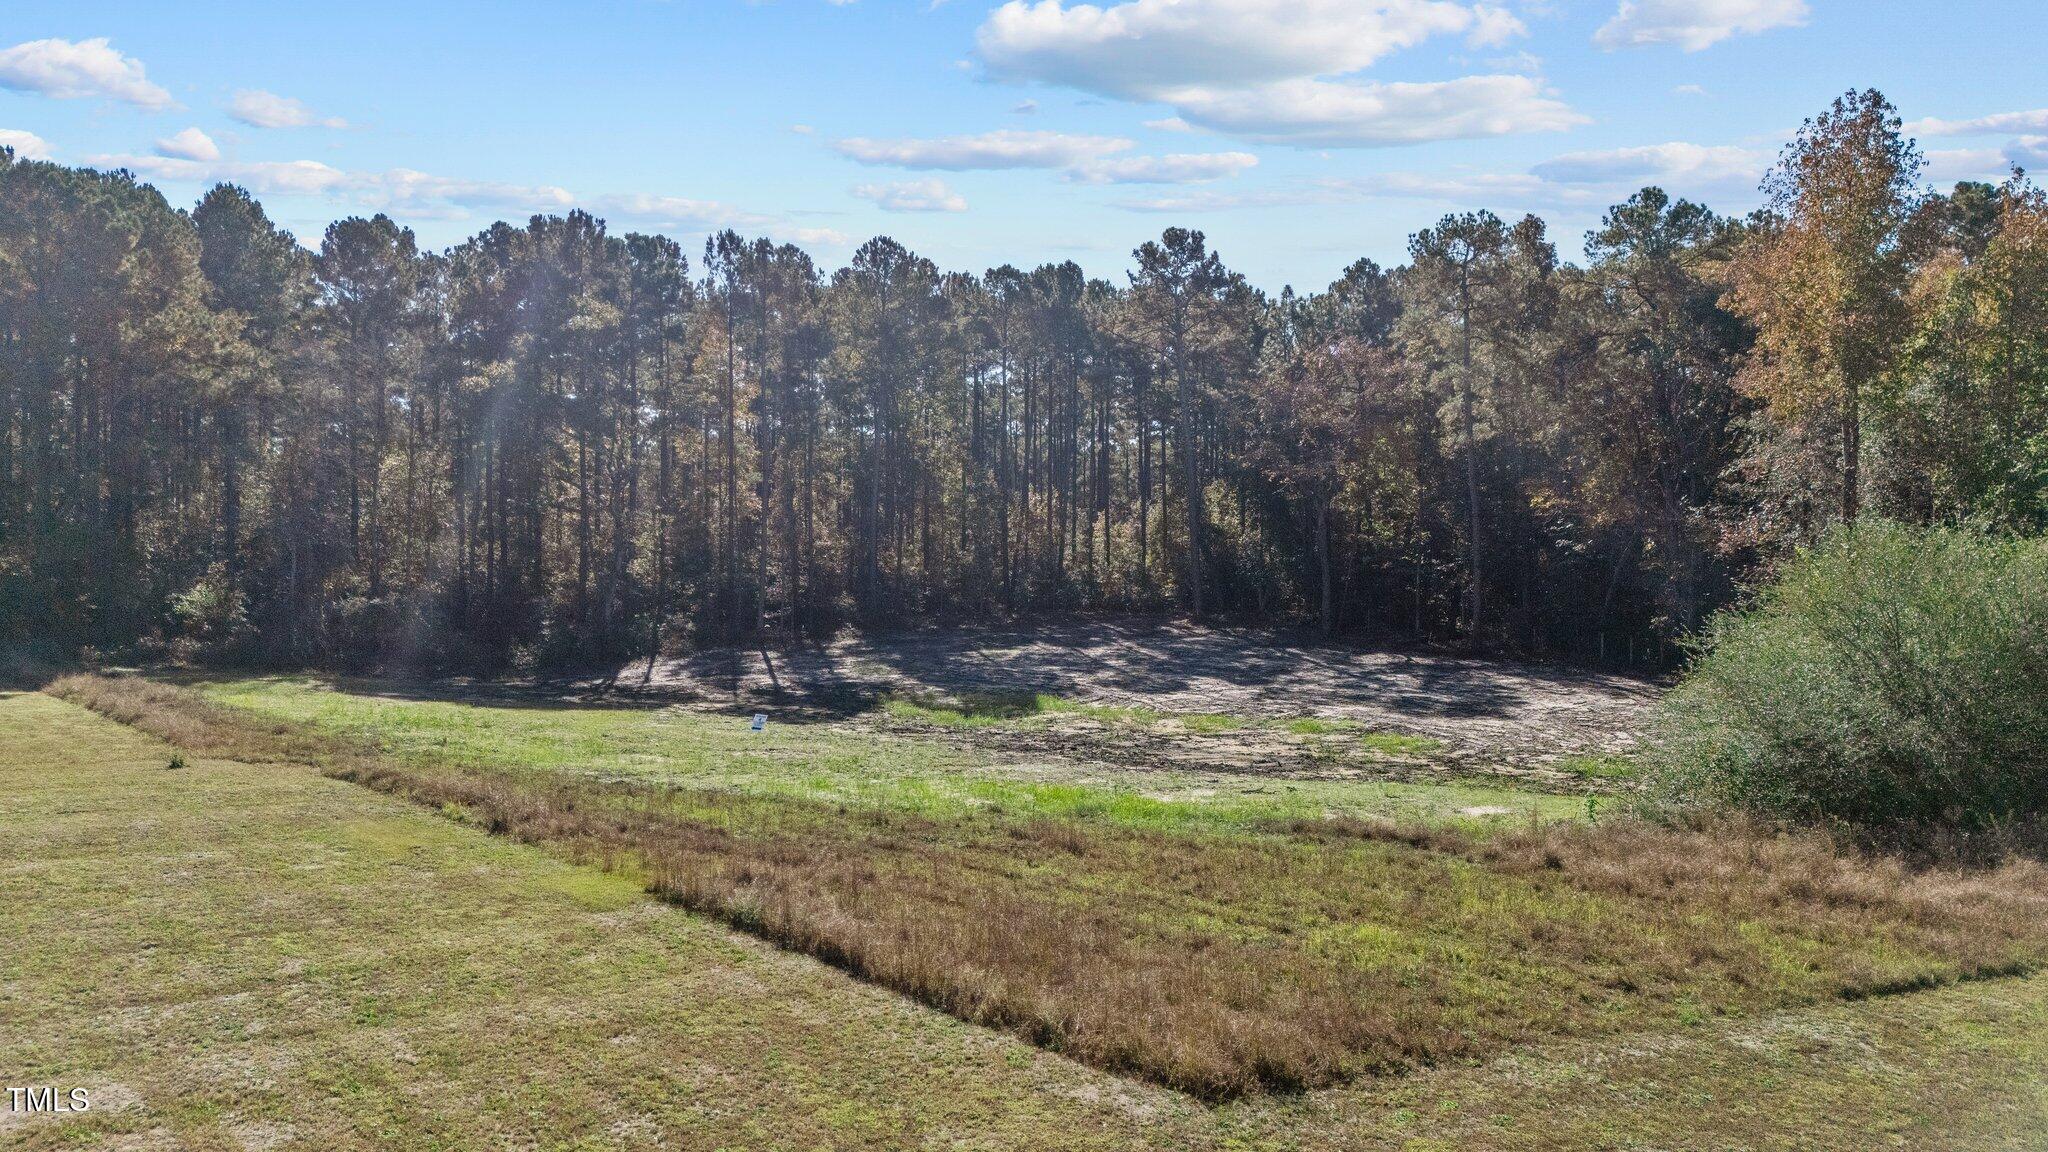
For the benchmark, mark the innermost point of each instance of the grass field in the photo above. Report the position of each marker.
(1020, 709)
(1217, 946)
(805, 759)
(231, 955)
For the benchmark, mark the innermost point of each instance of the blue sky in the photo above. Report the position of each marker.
(1299, 134)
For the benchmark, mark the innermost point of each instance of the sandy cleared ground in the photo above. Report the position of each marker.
(1496, 713)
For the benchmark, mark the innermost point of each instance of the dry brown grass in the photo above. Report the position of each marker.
(1985, 921)
(1225, 965)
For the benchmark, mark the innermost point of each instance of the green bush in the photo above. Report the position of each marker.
(1891, 679)
(213, 614)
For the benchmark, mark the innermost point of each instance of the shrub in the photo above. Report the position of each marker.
(1892, 679)
(213, 614)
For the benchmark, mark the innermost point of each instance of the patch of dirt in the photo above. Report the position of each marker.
(1252, 749)
(1490, 716)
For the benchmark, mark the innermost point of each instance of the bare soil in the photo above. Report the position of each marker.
(1493, 716)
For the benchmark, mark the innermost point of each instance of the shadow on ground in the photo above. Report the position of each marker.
(1477, 705)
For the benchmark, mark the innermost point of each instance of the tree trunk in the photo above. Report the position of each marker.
(1323, 557)
(1191, 477)
(1470, 421)
(1852, 451)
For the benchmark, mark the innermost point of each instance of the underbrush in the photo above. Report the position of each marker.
(970, 710)
(1892, 679)
(1277, 960)
(1599, 767)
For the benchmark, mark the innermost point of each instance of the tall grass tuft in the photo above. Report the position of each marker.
(1893, 679)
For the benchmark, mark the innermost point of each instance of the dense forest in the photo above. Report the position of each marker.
(554, 443)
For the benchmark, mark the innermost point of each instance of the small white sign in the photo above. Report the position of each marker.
(760, 722)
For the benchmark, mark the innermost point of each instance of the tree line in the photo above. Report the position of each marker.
(558, 443)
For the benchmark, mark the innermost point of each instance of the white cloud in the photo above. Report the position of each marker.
(1693, 164)
(1951, 166)
(1085, 159)
(1695, 25)
(1368, 114)
(1494, 27)
(1277, 71)
(1003, 149)
(1578, 180)
(2029, 152)
(406, 189)
(1998, 123)
(190, 144)
(1206, 201)
(2027, 148)
(1527, 63)
(1170, 124)
(681, 212)
(420, 195)
(1177, 168)
(69, 70)
(26, 145)
(1142, 47)
(264, 177)
(259, 109)
(1447, 190)
(1464, 188)
(392, 189)
(928, 195)
(1475, 190)
(1595, 178)
(825, 237)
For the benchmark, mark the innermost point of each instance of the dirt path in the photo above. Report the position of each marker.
(1482, 710)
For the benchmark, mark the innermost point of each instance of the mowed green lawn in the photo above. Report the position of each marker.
(229, 955)
(234, 956)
